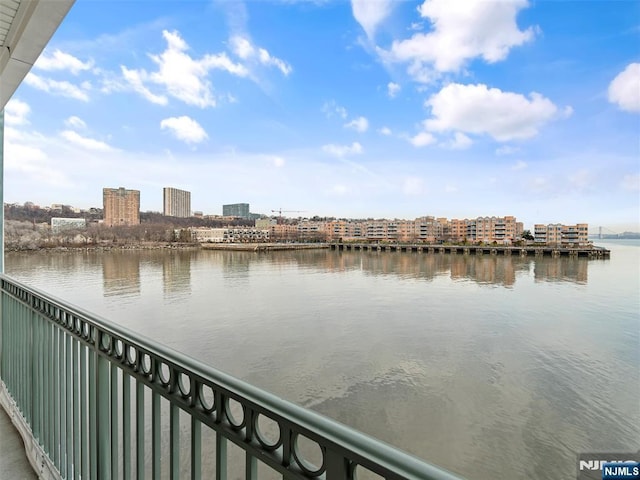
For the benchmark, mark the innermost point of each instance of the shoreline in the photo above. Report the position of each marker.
(108, 247)
(272, 246)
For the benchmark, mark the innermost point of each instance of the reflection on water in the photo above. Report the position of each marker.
(483, 269)
(493, 367)
(176, 274)
(563, 269)
(120, 274)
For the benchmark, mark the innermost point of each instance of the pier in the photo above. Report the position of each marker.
(524, 251)
(263, 247)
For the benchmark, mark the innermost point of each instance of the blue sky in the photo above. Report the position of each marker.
(369, 108)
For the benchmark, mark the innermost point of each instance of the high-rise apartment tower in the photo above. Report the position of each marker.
(177, 203)
(121, 206)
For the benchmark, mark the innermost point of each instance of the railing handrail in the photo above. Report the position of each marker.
(360, 446)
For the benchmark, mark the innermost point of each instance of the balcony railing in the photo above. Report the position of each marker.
(93, 397)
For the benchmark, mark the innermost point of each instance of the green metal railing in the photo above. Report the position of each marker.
(95, 398)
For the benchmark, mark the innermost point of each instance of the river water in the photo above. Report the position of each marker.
(492, 367)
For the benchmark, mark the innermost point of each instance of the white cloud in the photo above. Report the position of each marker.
(75, 122)
(460, 142)
(182, 76)
(478, 109)
(370, 13)
(360, 124)
(393, 89)
(520, 165)
(134, 79)
(331, 109)
(461, 31)
(267, 59)
(506, 150)
(385, 131)
(244, 49)
(451, 188)
(62, 61)
(422, 139)
(33, 164)
(84, 142)
(343, 150)
(62, 88)
(184, 128)
(624, 90)
(16, 112)
(631, 182)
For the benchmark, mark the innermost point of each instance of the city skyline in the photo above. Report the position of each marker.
(226, 101)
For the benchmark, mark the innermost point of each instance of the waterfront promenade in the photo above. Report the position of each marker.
(524, 251)
(13, 460)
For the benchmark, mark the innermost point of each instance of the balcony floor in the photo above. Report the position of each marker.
(13, 459)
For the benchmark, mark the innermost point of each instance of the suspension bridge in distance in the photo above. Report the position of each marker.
(605, 233)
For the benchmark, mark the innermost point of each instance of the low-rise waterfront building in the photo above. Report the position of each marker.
(230, 235)
(501, 230)
(58, 224)
(265, 223)
(283, 232)
(558, 234)
(308, 230)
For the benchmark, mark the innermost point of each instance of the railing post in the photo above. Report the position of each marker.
(174, 442)
(156, 463)
(103, 431)
(139, 430)
(196, 449)
(114, 420)
(337, 466)
(126, 425)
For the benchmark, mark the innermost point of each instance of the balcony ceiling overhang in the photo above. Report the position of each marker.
(26, 26)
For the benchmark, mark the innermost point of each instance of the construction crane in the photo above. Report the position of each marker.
(279, 212)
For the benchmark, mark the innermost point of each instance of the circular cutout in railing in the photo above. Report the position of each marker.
(207, 398)
(105, 342)
(184, 384)
(268, 432)
(235, 413)
(145, 363)
(86, 330)
(164, 374)
(118, 350)
(308, 455)
(131, 355)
